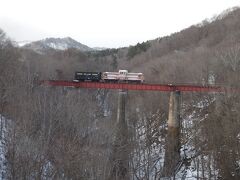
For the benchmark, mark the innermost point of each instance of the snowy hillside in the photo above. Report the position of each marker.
(56, 43)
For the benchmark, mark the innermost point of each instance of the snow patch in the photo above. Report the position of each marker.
(3, 134)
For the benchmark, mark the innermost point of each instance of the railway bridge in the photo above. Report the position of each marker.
(120, 155)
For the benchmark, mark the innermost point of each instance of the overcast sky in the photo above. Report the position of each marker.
(104, 23)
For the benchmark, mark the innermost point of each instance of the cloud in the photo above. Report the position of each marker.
(20, 31)
(105, 23)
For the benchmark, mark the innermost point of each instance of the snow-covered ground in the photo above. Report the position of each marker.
(148, 162)
(3, 133)
(195, 165)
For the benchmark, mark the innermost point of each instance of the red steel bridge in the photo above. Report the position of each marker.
(173, 138)
(142, 87)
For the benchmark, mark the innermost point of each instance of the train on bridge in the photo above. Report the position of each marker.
(131, 81)
(122, 76)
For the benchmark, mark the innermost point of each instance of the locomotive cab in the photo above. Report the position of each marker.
(123, 74)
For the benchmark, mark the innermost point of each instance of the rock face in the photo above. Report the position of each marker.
(56, 43)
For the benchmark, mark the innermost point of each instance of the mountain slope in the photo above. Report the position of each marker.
(56, 43)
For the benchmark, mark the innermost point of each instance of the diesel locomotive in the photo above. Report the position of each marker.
(120, 76)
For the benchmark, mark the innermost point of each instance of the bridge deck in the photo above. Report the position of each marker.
(141, 87)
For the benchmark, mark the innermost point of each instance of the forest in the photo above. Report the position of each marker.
(68, 133)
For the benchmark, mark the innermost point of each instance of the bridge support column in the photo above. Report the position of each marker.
(120, 152)
(172, 148)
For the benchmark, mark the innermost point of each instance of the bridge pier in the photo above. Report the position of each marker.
(172, 148)
(120, 152)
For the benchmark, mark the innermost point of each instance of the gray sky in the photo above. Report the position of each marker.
(104, 23)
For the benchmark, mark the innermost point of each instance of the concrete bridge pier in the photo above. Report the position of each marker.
(172, 148)
(120, 150)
